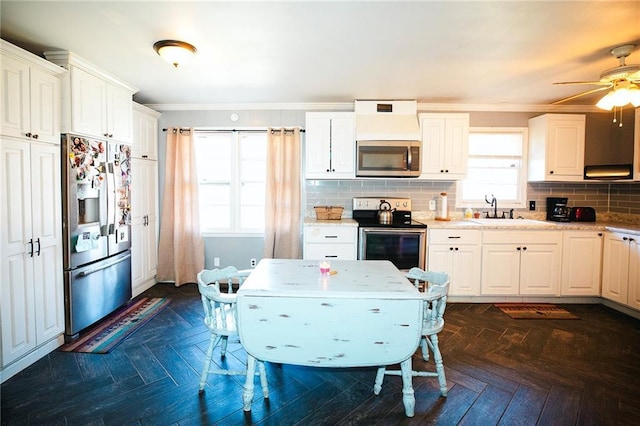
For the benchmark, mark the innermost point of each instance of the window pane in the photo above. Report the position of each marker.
(252, 218)
(214, 156)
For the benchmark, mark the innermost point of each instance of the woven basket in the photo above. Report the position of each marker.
(328, 212)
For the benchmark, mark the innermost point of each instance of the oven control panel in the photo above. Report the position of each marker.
(373, 203)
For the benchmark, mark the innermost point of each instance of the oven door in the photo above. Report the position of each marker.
(404, 247)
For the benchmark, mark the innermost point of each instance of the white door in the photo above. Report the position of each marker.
(317, 147)
(581, 263)
(615, 267)
(634, 273)
(540, 269)
(88, 104)
(14, 97)
(500, 269)
(45, 106)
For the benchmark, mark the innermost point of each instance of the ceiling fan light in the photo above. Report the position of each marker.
(174, 51)
(634, 96)
(607, 102)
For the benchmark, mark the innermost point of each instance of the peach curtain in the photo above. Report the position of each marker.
(181, 247)
(283, 195)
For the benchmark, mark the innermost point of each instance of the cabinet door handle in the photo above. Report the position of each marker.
(599, 234)
(331, 236)
(456, 248)
(333, 256)
(451, 248)
(145, 156)
(631, 240)
(524, 248)
(30, 247)
(519, 248)
(35, 136)
(551, 172)
(28, 134)
(624, 238)
(38, 243)
(454, 238)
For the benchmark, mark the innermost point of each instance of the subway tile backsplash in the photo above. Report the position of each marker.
(619, 198)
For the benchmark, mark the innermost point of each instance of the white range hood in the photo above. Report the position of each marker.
(387, 121)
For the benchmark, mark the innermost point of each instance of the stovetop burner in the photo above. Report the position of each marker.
(365, 212)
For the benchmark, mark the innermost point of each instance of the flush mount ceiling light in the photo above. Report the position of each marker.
(175, 52)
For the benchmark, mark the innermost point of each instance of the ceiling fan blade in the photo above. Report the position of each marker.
(579, 95)
(599, 83)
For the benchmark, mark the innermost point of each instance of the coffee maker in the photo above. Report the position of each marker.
(557, 209)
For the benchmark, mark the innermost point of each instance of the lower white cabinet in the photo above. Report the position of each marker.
(330, 242)
(621, 268)
(456, 252)
(524, 263)
(581, 263)
(31, 281)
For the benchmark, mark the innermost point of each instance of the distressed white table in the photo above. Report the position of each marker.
(366, 314)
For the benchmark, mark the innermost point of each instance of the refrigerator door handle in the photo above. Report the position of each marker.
(108, 265)
(111, 199)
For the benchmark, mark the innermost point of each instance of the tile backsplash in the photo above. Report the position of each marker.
(616, 198)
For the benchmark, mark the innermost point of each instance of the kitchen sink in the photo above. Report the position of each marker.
(507, 222)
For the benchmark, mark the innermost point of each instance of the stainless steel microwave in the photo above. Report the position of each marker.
(388, 158)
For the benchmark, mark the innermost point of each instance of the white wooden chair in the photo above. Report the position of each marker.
(436, 286)
(220, 318)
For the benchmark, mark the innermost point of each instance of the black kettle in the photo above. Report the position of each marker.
(385, 212)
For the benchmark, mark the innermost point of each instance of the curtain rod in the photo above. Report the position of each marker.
(228, 130)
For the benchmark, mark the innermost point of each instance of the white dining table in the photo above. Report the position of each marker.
(364, 313)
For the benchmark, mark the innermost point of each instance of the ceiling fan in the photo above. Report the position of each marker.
(622, 81)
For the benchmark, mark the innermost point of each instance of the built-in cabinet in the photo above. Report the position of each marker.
(521, 263)
(330, 242)
(621, 269)
(144, 194)
(445, 141)
(456, 252)
(330, 145)
(94, 103)
(581, 263)
(31, 281)
(556, 147)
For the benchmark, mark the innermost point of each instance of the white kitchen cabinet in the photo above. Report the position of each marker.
(144, 206)
(525, 263)
(330, 145)
(581, 263)
(333, 242)
(445, 142)
(556, 147)
(94, 103)
(31, 282)
(621, 268)
(456, 252)
(29, 95)
(145, 132)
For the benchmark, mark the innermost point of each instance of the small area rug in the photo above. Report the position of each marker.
(115, 328)
(534, 311)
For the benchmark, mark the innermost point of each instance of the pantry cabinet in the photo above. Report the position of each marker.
(445, 141)
(524, 263)
(32, 305)
(29, 95)
(581, 263)
(556, 147)
(456, 252)
(621, 269)
(330, 145)
(330, 242)
(144, 206)
(95, 104)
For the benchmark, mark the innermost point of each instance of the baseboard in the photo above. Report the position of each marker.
(143, 287)
(20, 364)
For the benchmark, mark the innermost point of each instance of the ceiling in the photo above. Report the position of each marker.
(451, 52)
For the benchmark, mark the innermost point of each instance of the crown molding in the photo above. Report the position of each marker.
(349, 106)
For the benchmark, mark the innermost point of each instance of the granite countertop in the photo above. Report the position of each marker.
(312, 221)
(530, 224)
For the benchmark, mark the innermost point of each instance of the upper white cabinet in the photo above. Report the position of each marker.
(621, 269)
(94, 103)
(145, 132)
(330, 145)
(29, 95)
(456, 252)
(556, 147)
(581, 263)
(445, 142)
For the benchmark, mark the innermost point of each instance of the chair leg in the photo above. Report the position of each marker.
(437, 357)
(247, 393)
(263, 379)
(213, 341)
(424, 348)
(223, 347)
(377, 387)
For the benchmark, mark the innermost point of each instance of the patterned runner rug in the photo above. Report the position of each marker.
(115, 328)
(534, 311)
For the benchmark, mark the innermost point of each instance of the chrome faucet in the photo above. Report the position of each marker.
(494, 204)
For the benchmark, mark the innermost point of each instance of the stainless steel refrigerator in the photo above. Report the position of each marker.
(96, 230)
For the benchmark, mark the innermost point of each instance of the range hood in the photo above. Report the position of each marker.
(394, 120)
(609, 148)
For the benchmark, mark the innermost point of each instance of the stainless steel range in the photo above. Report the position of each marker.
(398, 238)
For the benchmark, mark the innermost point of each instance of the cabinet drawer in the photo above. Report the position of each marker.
(521, 237)
(345, 251)
(453, 236)
(330, 234)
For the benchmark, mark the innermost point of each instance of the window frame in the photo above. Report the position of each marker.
(234, 187)
(522, 187)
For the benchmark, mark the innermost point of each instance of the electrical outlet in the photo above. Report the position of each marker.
(432, 205)
(252, 262)
(532, 205)
(216, 261)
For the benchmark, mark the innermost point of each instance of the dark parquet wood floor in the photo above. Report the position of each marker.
(499, 371)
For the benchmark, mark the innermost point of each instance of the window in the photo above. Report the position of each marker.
(231, 176)
(496, 165)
